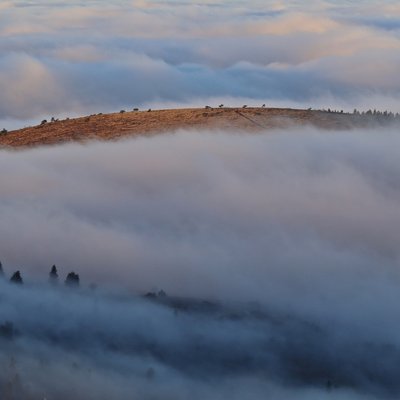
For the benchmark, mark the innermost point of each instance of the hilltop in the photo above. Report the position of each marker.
(117, 125)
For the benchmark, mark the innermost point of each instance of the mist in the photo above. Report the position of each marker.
(278, 251)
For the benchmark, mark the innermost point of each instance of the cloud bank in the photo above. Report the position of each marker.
(83, 57)
(295, 233)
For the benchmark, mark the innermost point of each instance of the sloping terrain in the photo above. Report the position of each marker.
(117, 125)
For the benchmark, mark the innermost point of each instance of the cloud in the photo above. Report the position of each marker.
(294, 234)
(338, 53)
(28, 86)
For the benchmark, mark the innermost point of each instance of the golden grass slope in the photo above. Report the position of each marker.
(118, 125)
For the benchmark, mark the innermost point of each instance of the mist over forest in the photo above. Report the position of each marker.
(278, 253)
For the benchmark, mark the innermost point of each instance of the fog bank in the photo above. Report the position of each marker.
(295, 233)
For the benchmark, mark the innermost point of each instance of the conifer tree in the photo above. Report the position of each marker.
(17, 278)
(53, 275)
(72, 279)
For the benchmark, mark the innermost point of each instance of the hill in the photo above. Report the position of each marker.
(117, 125)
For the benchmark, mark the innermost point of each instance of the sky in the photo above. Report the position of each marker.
(72, 58)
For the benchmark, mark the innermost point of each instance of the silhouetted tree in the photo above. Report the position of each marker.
(53, 275)
(72, 279)
(1, 270)
(17, 278)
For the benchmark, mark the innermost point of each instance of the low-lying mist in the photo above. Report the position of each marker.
(288, 241)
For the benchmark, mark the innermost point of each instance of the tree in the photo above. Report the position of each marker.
(1, 270)
(53, 275)
(17, 278)
(72, 280)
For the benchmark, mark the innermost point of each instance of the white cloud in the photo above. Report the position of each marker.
(306, 223)
(337, 51)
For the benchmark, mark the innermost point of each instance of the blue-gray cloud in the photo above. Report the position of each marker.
(296, 233)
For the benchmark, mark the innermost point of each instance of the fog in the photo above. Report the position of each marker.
(293, 236)
(82, 57)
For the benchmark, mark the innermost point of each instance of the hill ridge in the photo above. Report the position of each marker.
(114, 126)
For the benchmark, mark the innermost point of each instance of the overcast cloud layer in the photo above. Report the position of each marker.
(77, 57)
(303, 223)
(184, 211)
